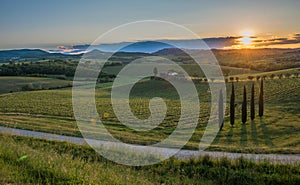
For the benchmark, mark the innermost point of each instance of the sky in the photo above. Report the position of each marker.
(41, 24)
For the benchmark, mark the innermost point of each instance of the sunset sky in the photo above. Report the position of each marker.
(42, 24)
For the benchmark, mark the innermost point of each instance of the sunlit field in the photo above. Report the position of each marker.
(277, 132)
(144, 92)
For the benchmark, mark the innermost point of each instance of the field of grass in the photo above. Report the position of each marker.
(192, 69)
(35, 161)
(278, 131)
(16, 84)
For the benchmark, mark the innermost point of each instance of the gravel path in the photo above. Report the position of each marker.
(183, 154)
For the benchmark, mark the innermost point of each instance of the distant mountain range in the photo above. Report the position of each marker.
(125, 50)
(23, 53)
(154, 46)
(28, 54)
(146, 47)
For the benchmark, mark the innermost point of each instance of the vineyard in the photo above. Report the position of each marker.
(51, 111)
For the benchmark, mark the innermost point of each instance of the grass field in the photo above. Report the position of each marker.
(278, 131)
(16, 84)
(192, 69)
(34, 161)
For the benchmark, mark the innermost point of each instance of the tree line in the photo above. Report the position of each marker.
(50, 67)
(244, 104)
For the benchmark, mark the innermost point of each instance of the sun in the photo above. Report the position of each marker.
(246, 39)
(247, 33)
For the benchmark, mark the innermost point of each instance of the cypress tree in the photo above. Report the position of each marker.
(261, 100)
(232, 106)
(155, 71)
(252, 109)
(244, 107)
(221, 109)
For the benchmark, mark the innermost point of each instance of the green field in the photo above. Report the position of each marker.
(16, 84)
(277, 132)
(34, 161)
(44, 103)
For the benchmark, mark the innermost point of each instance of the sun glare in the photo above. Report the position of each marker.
(246, 39)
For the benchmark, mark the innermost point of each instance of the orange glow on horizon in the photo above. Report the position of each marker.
(246, 40)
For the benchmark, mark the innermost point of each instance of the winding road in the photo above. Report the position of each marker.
(182, 154)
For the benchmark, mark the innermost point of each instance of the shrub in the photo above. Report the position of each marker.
(28, 87)
(237, 79)
(287, 75)
(250, 77)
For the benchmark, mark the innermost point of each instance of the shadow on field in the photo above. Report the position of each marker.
(244, 135)
(229, 136)
(217, 138)
(266, 133)
(254, 133)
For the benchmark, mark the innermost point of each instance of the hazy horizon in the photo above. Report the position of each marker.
(53, 24)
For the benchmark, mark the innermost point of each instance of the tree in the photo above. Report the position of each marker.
(232, 106)
(287, 75)
(155, 71)
(250, 77)
(231, 78)
(244, 107)
(261, 100)
(272, 76)
(257, 78)
(252, 108)
(221, 110)
(28, 87)
(237, 79)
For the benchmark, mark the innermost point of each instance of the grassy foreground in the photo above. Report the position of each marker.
(50, 162)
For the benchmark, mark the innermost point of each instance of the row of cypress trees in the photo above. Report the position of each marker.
(244, 104)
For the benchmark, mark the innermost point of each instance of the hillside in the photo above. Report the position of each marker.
(29, 55)
(254, 59)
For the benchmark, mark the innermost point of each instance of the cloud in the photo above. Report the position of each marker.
(222, 42)
(295, 39)
(61, 47)
(297, 35)
(148, 47)
(67, 50)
